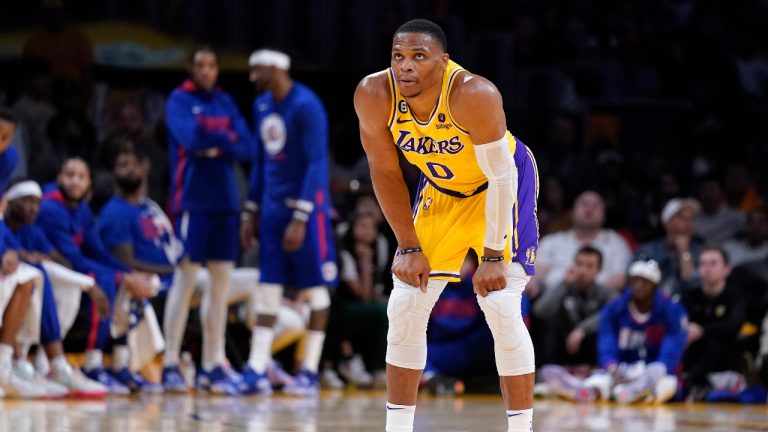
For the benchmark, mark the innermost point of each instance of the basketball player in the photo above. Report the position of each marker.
(69, 225)
(289, 188)
(478, 190)
(138, 233)
(207, 135)
(34, 249)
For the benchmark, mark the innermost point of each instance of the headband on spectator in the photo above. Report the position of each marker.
(24, 189)
(265, 57)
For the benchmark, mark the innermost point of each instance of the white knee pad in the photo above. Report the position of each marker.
(408, 311)
(269, 299)
(512, 342)
(318, 298)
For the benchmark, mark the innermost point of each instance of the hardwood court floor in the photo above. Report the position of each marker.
(358, 411)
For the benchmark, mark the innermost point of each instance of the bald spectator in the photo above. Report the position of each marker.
(677, 251)
(558, 250)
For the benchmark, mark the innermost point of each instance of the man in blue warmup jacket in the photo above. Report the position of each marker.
(69, 225)
(207, 135)
(289, 190)
(35, 249)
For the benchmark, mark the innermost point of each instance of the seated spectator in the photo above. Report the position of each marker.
(676, 252)
(361, 300)
(740, 189)
(716, 311)
(717, 221)
(640, 340)
(754, 245)
(554, 214)
(567, 314)
(557, 251)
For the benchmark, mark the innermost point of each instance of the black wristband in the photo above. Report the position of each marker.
(408, 250)
(492, 258)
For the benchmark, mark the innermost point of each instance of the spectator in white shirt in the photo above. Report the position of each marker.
(558, 250)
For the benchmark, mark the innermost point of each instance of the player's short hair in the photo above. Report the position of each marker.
(203, 48)
(8, 115)
(68, 159)
(591, 250)
(718, 249)
(127, 147)
(427, 27)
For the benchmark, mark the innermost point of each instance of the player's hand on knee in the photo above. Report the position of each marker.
(490, 276)
(10, 262)
(293, 239)
(413, 269)
(139, 285)
(100, 300)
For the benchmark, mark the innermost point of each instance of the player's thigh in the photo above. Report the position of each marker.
(194, 228)
(314, 264)
(447, 228)
(273, 260)
(222, 237)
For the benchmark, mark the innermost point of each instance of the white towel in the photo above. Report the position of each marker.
(137, 319)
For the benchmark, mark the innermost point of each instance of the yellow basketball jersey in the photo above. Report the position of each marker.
(440, 147)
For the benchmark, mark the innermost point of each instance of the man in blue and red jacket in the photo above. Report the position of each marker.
(207, 135)
(69, 225)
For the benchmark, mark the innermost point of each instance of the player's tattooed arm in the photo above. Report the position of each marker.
(372, 104)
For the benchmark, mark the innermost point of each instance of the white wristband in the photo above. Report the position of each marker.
(300, 215)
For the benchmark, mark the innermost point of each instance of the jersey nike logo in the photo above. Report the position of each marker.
(401, 121)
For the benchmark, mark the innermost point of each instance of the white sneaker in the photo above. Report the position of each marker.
(16, 386)
(77, 384)
(353, 370)
(25, 370)
(330, 379)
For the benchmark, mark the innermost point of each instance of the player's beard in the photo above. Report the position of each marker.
(128, 185)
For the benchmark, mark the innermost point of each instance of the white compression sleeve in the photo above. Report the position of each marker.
(497, 164)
